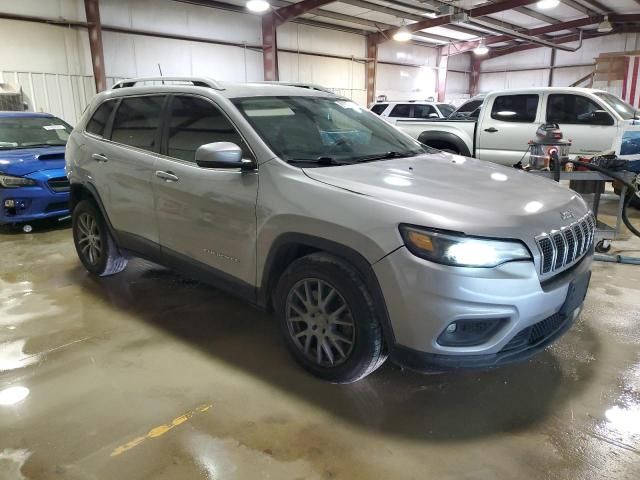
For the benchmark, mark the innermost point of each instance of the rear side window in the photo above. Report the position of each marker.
(515, 108)
(137, 121)
(423, 111)
(378, 109)
(100, 118)
(566, 108)
(446, 109)
(470, 106)
(195, 122)
(402, 110)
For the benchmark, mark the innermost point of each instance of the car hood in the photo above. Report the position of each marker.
(24, 161)
(457, 193)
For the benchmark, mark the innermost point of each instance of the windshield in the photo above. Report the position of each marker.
(324, 131)
(626, 111)
(29, 132)
(446, 109)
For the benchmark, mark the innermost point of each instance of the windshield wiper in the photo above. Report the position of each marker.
(323, 161)
(385, 156)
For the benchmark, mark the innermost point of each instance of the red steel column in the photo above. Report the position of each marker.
(443, 64)
(474, 76)
(372, 68)
(270, 47)
(92, 9)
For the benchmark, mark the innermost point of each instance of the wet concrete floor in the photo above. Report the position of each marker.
(149, 375)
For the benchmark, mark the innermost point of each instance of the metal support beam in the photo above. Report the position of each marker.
(92, 9)
(563, 39)
(443, 66)
(474, 76)
(484, 9)
(270, 22)
(371, 69)
(462, 47)
(552, 65)
(270, 48)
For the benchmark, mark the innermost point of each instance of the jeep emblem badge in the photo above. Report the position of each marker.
(566, 215)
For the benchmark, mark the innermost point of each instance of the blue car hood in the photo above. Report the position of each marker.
(24, 161)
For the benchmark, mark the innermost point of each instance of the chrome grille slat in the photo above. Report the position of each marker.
(564, 247)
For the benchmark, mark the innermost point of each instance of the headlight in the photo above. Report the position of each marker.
(460, 250)
(9, 181)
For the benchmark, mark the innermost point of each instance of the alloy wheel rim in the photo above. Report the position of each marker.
(320, 322)
(89, 238)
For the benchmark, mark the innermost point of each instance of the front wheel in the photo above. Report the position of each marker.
(328, 319)
(96, 248)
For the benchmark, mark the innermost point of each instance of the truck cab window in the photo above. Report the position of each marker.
(515, 108)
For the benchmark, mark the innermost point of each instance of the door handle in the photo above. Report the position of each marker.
(167, 176)
(98, 157)
(491, 130)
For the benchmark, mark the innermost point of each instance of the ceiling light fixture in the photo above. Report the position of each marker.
(605, 26)
(547, 4)
(403, 34)
(258, 6)
(481, 49)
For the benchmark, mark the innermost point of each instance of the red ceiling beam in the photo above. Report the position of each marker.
(270, 22)
(486, 9)
(294, 10)
(462, 47)
(574, 37)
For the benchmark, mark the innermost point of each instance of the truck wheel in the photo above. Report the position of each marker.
(328, 319)
(96, 248)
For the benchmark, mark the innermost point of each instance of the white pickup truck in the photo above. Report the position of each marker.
(508, 119)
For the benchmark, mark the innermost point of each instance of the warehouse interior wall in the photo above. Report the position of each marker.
(52, 63)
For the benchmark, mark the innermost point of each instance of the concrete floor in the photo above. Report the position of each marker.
(151, 375)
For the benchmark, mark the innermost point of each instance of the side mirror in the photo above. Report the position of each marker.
(601, 117)
(433, 115)
(221, 155)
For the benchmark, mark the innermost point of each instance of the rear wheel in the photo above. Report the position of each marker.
(96, 248)
(328, 319)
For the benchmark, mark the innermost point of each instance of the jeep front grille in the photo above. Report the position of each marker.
(561, 248)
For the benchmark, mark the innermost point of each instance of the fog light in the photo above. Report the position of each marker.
(469, 332)
(9, 203)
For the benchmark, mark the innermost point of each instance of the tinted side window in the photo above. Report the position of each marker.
(100, 118)
(515, 108)
(137, 120)
(378, 109)
(195, 122)
(402, 110)
(572, 109)
(470, 106)
(423, 111)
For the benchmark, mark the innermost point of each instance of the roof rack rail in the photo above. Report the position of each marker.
(195, 81)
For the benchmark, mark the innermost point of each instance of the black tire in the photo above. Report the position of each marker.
(601, 248)
(365, 354)
(109, 261)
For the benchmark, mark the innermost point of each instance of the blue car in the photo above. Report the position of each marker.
(33, 182)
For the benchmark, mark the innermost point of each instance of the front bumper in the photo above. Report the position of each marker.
(423, 298)
(36, 202)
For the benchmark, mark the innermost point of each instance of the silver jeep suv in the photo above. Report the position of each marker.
(365, 243)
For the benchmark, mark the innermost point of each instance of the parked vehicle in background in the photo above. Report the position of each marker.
(364, 242)
(508, 119)
(392, 112)
(33, 182)
(469, 109)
